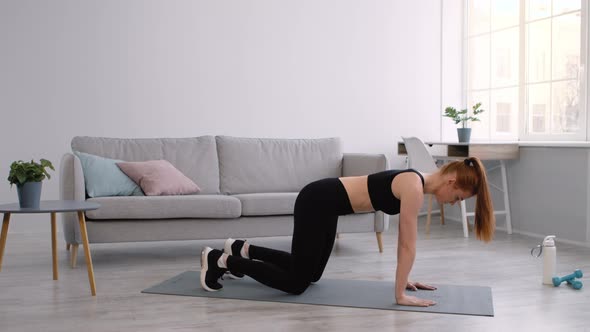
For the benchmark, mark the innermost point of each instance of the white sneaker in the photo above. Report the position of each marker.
(210, 272)
(233, 247)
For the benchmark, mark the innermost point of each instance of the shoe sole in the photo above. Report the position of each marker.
(227, 247)
(232, 276)
(227, 250)
(205, 268)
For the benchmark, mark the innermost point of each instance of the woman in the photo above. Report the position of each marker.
(317, 208)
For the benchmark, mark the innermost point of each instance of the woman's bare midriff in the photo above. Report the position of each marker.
(358, 193)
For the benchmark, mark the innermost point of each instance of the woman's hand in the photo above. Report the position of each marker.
(414, 301)
(414, 286)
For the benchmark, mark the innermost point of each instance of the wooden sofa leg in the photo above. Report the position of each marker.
(67, 246)
(379, 241)
(74, 255)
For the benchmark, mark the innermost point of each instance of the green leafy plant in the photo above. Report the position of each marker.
(463, 116)
(22, 172)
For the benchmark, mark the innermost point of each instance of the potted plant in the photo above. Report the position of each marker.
(463, 117)
(28, 176)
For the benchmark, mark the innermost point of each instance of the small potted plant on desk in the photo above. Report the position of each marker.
(28, 176)
(463, 117)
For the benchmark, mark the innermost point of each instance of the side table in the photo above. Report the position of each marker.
(53, 207)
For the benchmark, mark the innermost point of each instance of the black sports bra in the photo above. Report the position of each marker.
(380, 193)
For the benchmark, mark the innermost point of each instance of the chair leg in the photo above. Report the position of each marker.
(74, 255)
(442, 214)
(429, 216)
(379, 241)
(464, 220)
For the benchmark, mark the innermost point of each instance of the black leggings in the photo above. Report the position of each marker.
(317, 208)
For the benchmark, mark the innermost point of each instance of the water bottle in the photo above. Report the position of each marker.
(549, 259)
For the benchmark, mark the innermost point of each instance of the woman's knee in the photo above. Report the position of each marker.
(299, 287)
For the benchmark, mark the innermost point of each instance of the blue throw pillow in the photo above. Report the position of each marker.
(103, 177)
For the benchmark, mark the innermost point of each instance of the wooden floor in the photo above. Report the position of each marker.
(31, 301)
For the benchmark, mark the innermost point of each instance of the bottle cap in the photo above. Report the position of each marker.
(549, 241)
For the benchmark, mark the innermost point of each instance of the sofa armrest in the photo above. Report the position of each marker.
(71, 187)
(354, 164)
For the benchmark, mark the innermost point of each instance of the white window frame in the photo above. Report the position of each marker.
(584, 133)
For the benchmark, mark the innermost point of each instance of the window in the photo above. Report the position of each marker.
(504, 110)
(525, 64)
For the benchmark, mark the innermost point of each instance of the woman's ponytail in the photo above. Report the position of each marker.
(471, 175)
(485, 222)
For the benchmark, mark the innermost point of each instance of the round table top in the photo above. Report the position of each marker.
(51, 206)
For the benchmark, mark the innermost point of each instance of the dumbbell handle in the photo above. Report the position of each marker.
(577, 274)
(558, 280)
(576, 284)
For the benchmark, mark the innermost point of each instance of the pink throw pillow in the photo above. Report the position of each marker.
(158, 177)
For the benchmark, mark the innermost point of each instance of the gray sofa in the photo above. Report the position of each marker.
(248, 188)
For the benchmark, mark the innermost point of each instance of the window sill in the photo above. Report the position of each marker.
(554, 144)
(548, 144)
(541, 144)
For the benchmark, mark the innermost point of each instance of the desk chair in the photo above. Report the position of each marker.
(420, 159)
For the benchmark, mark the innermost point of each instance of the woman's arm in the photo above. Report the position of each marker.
(406, 243)
(411, 196)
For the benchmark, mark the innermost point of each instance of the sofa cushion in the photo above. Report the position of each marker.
(102, 177)
(195, 157)
(266, 165)
(267, 204)
(158, 177)
(166, 207)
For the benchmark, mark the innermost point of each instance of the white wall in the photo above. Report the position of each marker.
(451, 64)
(365, 70)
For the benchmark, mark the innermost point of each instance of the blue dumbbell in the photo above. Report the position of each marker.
(557, 280)
(576, 284)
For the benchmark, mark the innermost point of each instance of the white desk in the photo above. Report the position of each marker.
(484, 151)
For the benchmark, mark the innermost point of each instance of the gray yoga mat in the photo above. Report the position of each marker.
(461, 300)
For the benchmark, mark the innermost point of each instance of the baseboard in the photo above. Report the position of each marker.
(530, 234)
(557, 239)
